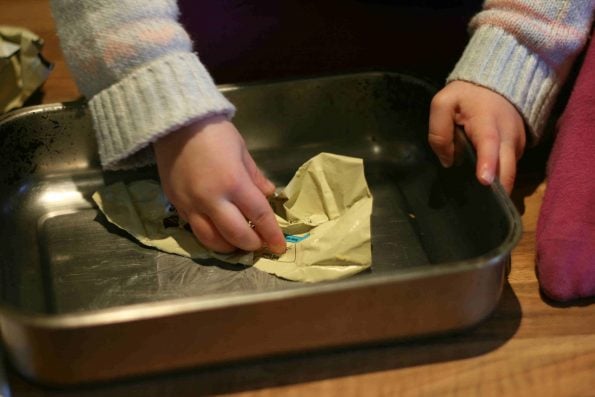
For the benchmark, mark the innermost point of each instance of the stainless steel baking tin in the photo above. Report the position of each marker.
(81, 301)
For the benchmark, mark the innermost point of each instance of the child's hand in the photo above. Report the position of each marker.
(494, 126)
(211, 179)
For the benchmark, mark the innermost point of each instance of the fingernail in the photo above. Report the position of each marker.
(446, 162)
(487, 176)
(270, 186)
(279, 249)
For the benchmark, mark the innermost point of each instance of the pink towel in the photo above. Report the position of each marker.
(566, 226)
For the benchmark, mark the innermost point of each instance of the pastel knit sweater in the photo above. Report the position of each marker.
(134, 63)
(524, 49)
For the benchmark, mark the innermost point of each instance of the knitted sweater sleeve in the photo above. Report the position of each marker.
(524, 49)
(134, 63)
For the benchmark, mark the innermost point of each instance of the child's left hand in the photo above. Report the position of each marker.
(492, 123)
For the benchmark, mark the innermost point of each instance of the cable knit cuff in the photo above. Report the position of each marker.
(495, 59)
(149, 103)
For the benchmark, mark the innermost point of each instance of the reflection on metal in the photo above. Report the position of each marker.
(59, 196)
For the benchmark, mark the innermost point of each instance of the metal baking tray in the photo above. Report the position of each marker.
(81, 301)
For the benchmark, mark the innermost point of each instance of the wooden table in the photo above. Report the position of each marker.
(528, 347)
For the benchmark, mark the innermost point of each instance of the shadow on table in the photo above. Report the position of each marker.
(582, 302)
(287, 370)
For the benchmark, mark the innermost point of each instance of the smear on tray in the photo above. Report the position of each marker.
(324, 213)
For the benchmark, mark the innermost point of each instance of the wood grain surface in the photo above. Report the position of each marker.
(528, 347)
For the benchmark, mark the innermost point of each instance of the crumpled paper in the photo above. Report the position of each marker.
(22, 68)
(324, 213)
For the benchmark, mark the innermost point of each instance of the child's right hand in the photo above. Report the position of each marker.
(211, 179)
(493, 124)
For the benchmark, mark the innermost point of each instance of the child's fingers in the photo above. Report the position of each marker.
(262, 182)
(234, 227)
(486, 139)
(257, 209)
(441, 126)
(508, 159)
(208, 235)
(512, 145)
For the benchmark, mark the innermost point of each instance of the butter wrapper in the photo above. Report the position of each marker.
(22, 68)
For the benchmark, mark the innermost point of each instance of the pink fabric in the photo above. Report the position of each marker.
(566, 226)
